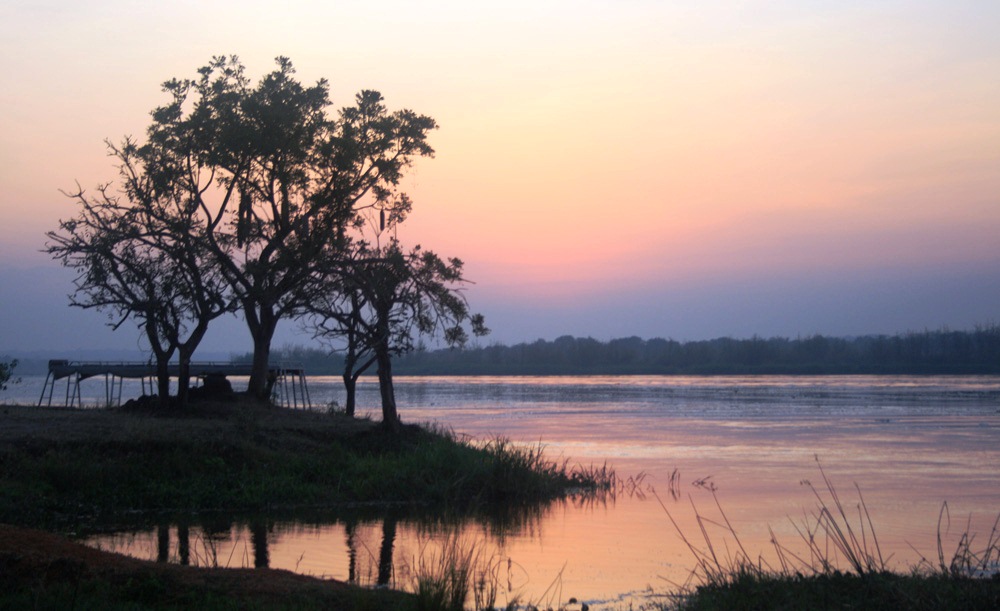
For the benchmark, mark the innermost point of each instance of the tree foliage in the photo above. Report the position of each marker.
(256, 197)
(141, 255)
(276, 181)
(241, 195)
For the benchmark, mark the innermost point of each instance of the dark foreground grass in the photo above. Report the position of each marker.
(810, 576)
(63, 469)
(837, 590)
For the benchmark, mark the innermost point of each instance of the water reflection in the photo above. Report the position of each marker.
(258, 539)
(909, 443)
(588, 546)
(606, 550)
(369, 555)
(385, 552)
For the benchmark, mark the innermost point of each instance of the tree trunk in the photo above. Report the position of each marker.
(184, 544)
(350, 386)
(162, 363)
(262, 333)
(350, 379)
(351, 374)
(258, 539)
(163, 378)
(350, 525)
(183, 377)
(185, 352)
(390, 418)
(162, 543)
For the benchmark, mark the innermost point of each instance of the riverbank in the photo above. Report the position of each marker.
(67, 469)
(74, 471)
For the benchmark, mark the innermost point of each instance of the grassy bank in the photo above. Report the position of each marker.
(74, 470)
(62, 468)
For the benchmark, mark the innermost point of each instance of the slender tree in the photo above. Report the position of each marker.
(385, 298)
(339, 320)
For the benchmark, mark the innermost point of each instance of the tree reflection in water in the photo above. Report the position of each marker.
(258, 538)
(218, 541)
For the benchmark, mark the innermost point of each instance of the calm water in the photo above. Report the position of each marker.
(909, 443)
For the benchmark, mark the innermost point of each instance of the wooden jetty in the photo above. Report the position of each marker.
(289, 389)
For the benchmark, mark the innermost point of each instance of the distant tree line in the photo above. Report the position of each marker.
(928, 352)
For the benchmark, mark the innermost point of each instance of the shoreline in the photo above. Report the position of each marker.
(43, 569)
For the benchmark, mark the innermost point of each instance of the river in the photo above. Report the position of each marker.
(683, 445)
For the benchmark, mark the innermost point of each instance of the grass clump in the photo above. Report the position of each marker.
(518, 473)
(442, 581)
(730, 578)
(838, 590)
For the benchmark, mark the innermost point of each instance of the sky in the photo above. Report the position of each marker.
(684, 170)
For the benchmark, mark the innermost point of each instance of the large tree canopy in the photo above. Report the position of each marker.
(276, 181)
(258, 198)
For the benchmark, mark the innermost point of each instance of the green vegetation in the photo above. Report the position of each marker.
(65, 468)
(73, 469)
(443, 581)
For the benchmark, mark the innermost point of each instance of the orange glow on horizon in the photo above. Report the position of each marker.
(580, 146)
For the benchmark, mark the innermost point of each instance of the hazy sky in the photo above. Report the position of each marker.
(605, 168)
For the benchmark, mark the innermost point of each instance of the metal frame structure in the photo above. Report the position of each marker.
(289, 379)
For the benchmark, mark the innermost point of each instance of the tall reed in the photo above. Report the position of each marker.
(833, 535)
(444, 579)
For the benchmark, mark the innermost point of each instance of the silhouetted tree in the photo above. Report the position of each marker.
(343, 320)
(140, 256)
(276, 181)
(383, 299)
(184, 544)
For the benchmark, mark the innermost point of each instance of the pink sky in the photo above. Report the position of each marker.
(681, 169)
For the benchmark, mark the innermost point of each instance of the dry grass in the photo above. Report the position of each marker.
(842, 565)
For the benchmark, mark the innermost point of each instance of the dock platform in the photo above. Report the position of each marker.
(290, 387)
